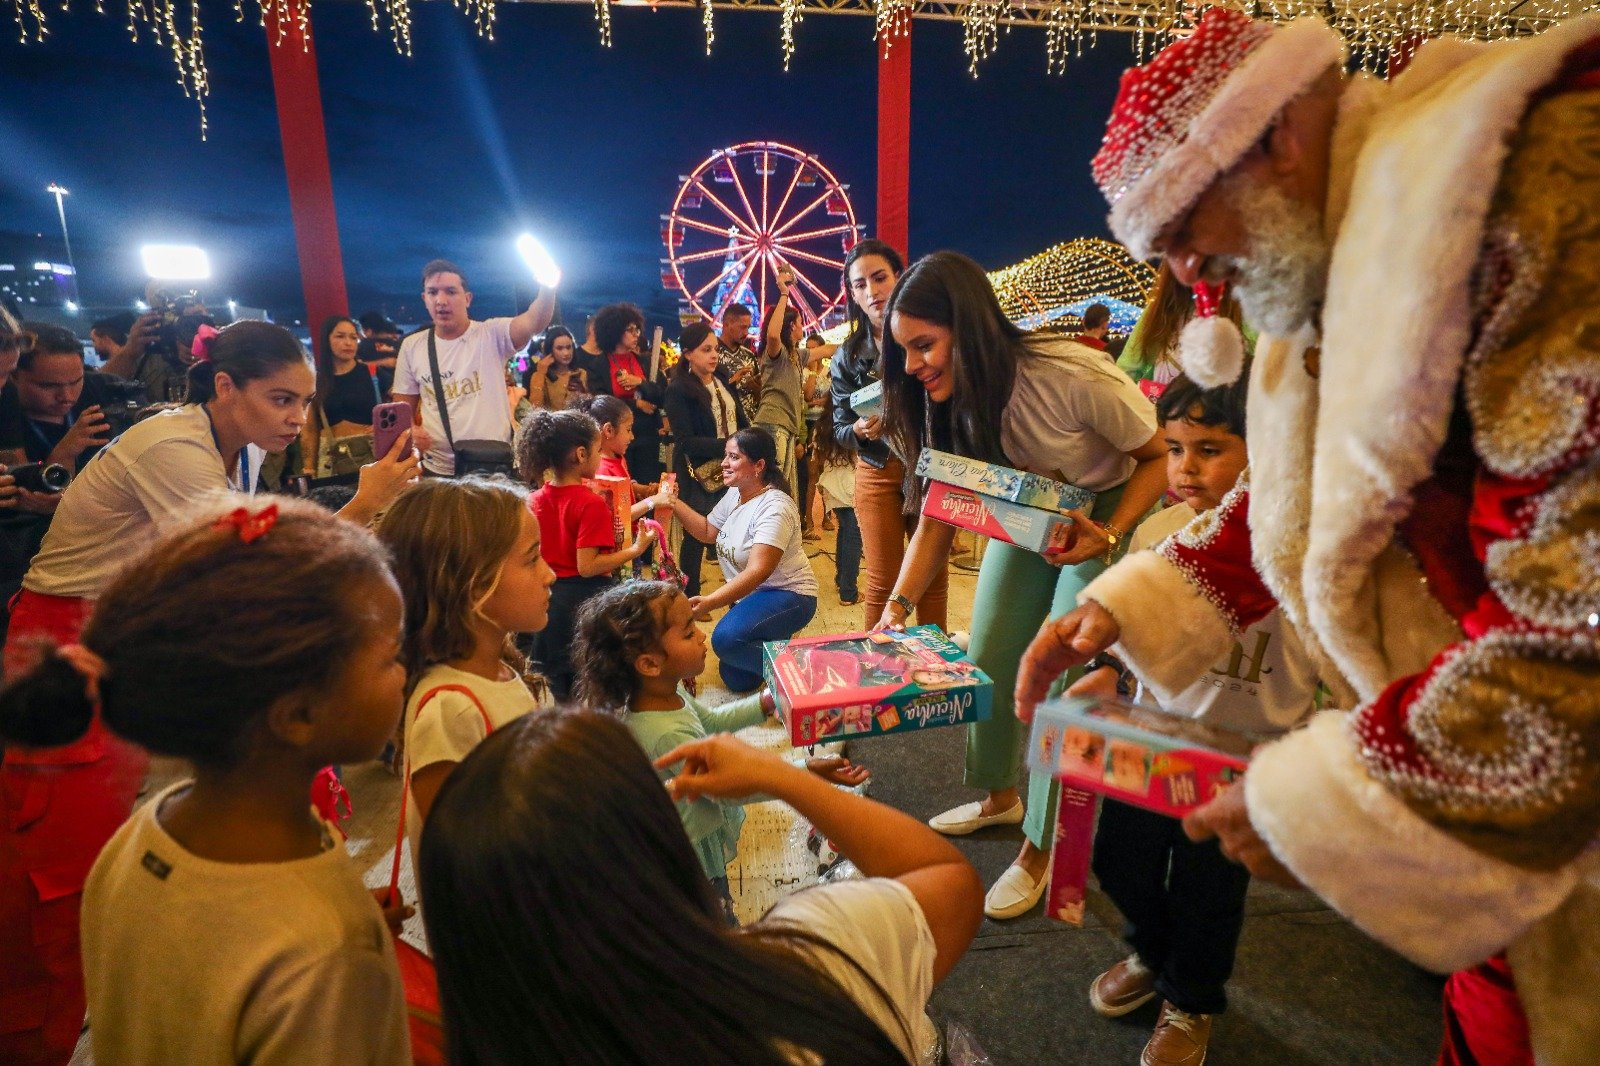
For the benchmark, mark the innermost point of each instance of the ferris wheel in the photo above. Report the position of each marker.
(748, 211)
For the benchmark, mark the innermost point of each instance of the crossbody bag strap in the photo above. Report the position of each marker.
(405, 791)
(438, 389)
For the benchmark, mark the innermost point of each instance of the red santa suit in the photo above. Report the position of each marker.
(1423, 500)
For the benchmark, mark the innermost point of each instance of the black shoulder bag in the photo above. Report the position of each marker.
(471, 456)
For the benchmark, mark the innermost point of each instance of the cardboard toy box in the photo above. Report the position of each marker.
(1032, 528)
(867, 401)
(1002, 482)
(618, 494)
(866, 684)
(1136, 754)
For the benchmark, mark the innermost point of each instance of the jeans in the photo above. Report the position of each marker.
(766, 614)
(1184, 902)
(884, 530)
(847, 553)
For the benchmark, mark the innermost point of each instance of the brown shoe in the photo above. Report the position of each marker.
(1179, 1040)
(1124, 988)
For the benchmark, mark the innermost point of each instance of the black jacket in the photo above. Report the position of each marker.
(694, 435)
(854, 370)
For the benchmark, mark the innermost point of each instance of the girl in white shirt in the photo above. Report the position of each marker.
(223, 923)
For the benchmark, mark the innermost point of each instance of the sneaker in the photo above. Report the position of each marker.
(969, 817)
(1179, 1040)
(1124, 988)
(1014, 895)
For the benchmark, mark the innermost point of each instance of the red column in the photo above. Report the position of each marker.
(305, 164)
(894, 138)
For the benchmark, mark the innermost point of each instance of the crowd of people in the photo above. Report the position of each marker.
(1337, 496)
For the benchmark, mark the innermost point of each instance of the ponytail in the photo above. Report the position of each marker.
(547, 439)
(245, 351)
(46, 707)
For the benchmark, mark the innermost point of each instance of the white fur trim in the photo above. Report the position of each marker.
(1281, 68)
(1211, 351)
(1555, 964)
(1397, 319)
(1154, 603)
(1415, 888)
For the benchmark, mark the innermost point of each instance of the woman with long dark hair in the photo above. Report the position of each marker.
(575, 925)
(618, 330)
(555, 381)
(338, 437)
(959, 376)
(768, 584)
(249, 394)
(870, 272)
(704, 412)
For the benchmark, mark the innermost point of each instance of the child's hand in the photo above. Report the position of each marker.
(394, 914)
(839, 770)
(698, 609)
(769, 703)
(642, 543)
(720, 767)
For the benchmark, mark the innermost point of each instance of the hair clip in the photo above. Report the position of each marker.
(201, 345)
(250, 527)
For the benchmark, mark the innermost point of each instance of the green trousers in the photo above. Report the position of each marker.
(1018, 592)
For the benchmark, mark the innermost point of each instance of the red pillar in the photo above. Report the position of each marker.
(305, 164)
(894, 137)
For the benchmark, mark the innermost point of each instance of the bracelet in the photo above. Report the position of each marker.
(903, 603)
(1125, 678)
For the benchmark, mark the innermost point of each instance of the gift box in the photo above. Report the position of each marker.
(865, 684)
(1032, 528)
(618, 494)
(1002, 482)
(1136, 754)
(867, 401)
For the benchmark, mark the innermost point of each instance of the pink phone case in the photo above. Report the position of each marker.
(390, 422)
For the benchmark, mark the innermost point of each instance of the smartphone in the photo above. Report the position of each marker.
(390, 421)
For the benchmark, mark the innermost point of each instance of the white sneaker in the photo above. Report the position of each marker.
(1014, 895)
(969, 817)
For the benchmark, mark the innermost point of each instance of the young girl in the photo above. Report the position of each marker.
(836, 466)
(466, 553)
(585, 892)
(221, 923)
(616, 437)
(580, 542)
(637, 645)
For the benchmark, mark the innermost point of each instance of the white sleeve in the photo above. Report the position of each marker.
(777, 524)
(877, 923)
(445, 729)
(406, 381)
(499, 332)
(344, 1007)
(171, 476)
(719, 514)
(1109, 403)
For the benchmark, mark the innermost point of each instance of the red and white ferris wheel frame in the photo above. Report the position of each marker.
(766, 235)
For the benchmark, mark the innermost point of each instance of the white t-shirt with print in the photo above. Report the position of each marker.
(771, 518)
(877, 923)
(150, 477)
(1266, 685)
(474, 370)
(1074, 416)
(449, 726)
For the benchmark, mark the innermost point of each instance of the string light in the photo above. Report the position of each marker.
(1071, 273)
(602, 15)
(705, 21)
(793, 12)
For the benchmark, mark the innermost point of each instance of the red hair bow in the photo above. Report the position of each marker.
(250, 527)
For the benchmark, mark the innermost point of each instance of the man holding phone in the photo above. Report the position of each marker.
(452, 374)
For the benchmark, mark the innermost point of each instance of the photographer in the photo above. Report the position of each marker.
(159, 350)
(63, 417)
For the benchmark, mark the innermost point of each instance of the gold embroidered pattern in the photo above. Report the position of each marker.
(1533, 376)
(1552, 574)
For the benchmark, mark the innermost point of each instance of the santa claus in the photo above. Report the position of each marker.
(1422, 257)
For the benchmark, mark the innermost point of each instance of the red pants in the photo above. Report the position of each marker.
(58, 807)
(1483, 1020)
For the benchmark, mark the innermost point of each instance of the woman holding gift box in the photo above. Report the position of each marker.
(959, 376)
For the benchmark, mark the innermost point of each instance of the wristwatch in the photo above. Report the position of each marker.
(904, 604)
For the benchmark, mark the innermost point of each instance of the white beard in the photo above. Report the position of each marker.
(1280, 283)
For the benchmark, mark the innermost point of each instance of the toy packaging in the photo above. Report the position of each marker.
(1070, 852)
(669, 484)
(1027, 527)
(865, 684)
(1136, 754)
(1002, 482)
(618, 494)
(867, 401)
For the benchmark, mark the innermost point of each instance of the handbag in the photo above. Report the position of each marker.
(418, 975)
(486, 456)
(347, 455)
(708, 475)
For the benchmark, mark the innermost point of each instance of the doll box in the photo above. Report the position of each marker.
(1139, 755)
(1032, 528)
(618, 494)
(867, 684)
(867, 401)
(1002, 482)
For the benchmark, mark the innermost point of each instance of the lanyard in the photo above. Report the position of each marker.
(244, 484)
(49, 445)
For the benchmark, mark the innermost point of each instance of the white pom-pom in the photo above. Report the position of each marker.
(1211, 351)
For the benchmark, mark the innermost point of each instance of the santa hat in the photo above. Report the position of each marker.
(1210, 348)
(1190, 114)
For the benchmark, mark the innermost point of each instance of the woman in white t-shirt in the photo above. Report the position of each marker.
(959, 376)
(576, 925)
(767, 579)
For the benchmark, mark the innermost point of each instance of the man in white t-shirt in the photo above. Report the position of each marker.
(472, 365)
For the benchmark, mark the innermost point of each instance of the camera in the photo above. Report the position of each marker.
(123, 402)
(175, 321)
(41, 477)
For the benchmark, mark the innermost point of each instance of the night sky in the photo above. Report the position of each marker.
(456, 149)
